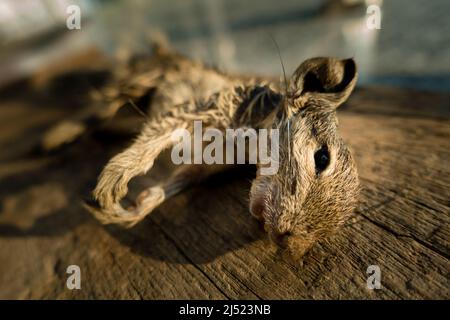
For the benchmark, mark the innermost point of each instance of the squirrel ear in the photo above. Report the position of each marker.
(325, 79)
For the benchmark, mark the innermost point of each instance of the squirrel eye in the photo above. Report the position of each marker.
(322, 159)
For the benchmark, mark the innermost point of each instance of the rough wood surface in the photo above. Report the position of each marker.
(204, 243)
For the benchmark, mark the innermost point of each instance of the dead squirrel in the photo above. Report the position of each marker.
(316, 186)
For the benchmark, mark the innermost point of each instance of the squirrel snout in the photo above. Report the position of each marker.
(280, 238)
(257, 208)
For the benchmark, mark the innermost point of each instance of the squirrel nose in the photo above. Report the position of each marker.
(257, 209)
(280, 238)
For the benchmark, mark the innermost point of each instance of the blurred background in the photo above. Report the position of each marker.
(412, 48)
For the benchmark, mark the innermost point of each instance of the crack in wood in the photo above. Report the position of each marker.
(410, 236)
(184, 255)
